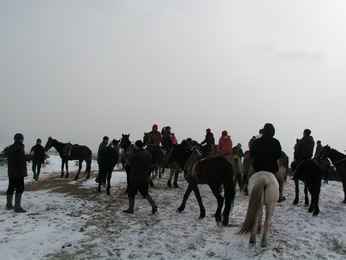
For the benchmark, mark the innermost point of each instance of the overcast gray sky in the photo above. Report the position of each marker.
(77, 70)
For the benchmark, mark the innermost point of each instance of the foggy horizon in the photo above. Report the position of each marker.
(80, 70)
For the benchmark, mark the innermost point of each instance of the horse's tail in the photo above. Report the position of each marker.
(88, 161)
(255, 203)
(228, 185)
(238, 172)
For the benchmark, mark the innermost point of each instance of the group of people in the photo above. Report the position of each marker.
(264, 149)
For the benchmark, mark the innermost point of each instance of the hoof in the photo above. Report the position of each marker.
(295, 202)
(175, 185)
(202, 215)
(180, 209)
(169, 184)
(154, 210)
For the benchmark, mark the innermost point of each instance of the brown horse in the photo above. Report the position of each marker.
(70, 152)
(339, 161)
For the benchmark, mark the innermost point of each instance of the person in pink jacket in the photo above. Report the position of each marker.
(225, 143)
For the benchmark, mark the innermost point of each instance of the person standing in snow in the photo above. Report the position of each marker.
(17, 171)
(38, 155)
(141, 164)
(265, 152)
(101, 176)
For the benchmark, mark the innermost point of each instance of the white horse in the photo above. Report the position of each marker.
(264, 190)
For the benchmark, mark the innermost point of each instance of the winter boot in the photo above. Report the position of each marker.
(9, 205)
(17, 203)
(152, 203)
(131, 206)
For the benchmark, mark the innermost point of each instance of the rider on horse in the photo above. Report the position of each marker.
(155, 136)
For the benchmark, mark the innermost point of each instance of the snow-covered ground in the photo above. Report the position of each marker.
(68, 219)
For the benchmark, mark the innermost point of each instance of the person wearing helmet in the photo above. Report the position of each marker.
(17, 171)
(38, 155)
(155, 136)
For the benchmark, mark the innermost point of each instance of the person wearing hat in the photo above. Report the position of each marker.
(38, 155)
(155, 136)
(141, 164)
(101, 176)
(265, 152)
(225, 143)
(209, 141)
(17, 171)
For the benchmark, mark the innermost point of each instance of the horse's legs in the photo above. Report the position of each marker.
(88, 168)
(79, 169)
(259, 220)
(296, 185)
(344, 186)
(185, 198)
(199, 199)
(220, 200)
(169, 182)
(67, 173)
(254, 232)
(269, 214)
(306, 195)
(62, 168)
(99, 187)
(109, 176)
(175, 183)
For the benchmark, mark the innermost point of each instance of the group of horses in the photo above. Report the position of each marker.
(218, 172)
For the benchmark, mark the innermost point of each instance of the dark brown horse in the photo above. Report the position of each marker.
(215, 171)
(339, 161)
(70, 152)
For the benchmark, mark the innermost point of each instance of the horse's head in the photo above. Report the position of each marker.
(194, 157)
(323, 154)
(125, 141)
(146, 138)
(115, 144)
(49, 144)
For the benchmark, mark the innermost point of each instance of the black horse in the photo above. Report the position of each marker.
(108, 159)
(70, 152)
(214, 171)
(339, 161)
(310, 172)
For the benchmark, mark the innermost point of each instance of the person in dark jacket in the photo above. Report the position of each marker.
(304, 148)
(318, 149)
(209, 142)
(237, 150)
(166, 140)
(17, 171)
(38, 155)
(101, 176)
(141, 164)
(265, 152)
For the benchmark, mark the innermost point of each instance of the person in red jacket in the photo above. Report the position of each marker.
(155, 136)
(174, 139)
(225, 143)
